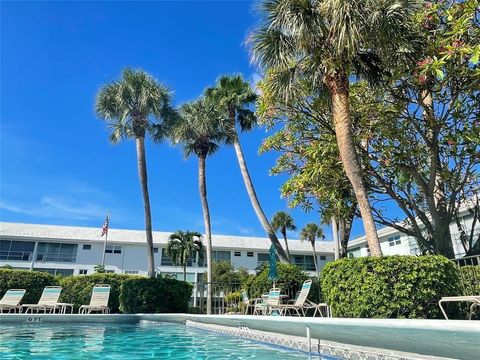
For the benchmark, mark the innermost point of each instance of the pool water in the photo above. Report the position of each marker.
(144, 340)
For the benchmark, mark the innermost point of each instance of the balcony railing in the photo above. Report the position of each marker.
(56, 257)
(16, 255)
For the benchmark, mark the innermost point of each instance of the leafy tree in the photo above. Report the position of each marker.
(326, 43)
(99, 269)
(233, 97)
(283, 222)
(311, 233)
(135, 106)
(199, 130)
(422, 131)
(183, 245)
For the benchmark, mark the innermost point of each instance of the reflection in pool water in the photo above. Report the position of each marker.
(145, 340)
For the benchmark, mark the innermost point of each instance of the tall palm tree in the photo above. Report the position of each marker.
(325, 43)
(283, 222)
(234, 98)
(199, 130)
(311, 232)
(135, 106)
(184, 245)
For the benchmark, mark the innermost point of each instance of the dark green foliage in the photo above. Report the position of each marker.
(77, 290)
(155, 295)
(290, 279)
(389, 287)
(32, 281)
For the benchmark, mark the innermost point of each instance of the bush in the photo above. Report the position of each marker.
(32, 281)
(155, 295)
(389, 287)
(290, 279)
(77, 290)
(470, 276)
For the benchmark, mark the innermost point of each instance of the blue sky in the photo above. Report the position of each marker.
(57, 166)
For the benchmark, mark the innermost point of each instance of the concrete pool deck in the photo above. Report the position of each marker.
(458, 339)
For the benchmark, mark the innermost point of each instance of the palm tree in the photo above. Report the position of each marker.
(184, 245)
(325, 43)
(311, 232)
(233, 97)
(283, 222)
(135, 106)
(199, 131)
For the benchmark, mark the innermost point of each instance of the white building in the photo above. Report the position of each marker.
(72, 250)
(393, 242)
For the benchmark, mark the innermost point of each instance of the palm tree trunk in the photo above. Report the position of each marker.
(338, 88)
(202, 186)
(314, 256)
(256, 204)
(142, 175)
(284, 233)
(185, 272)
(336, 243)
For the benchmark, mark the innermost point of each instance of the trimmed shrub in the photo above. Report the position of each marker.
(290, 279)
(77, 290)
(155, 295)
(32, 281)
(389, 287)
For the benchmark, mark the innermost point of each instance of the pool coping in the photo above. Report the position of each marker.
(441, 338)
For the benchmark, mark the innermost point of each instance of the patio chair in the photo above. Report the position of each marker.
(11, 300)
(98, 301)
(48, 301)
(300, 304)
(264, 305)
(475, 300)
(247, 303)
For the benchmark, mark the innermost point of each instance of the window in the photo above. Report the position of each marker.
(113, 249)
(87, 247)
(132, 272)
(350, 255)
(216, 256)
(63, 272)
(82, 272)
(394, 240)
(167, 260)
(155, 250)
(237, 253)
(323, 257)
(249, 253)
(262, 258)
(16, 250)
(304, 261)
(110, 271)
(56, 252)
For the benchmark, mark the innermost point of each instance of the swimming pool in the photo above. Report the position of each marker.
(138, 341)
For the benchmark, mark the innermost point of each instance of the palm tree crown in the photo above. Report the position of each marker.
(282, 222)
(183, 245)
(135, 105)
(199, 128)
(311, 233)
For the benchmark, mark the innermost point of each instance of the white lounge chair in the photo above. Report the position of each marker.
(475, 300)
(264, 305)
(98, 301)
(300, 304)
(48, 301)
(11, 300)
(247, 303)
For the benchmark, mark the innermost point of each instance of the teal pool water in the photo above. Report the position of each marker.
(144, 340)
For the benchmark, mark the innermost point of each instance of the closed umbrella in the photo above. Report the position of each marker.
(272, 258)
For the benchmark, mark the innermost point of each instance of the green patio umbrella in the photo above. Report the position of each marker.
(272, 258)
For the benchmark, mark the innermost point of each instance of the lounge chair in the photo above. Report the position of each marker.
(264, 305)
(98, 301)
(11, 300)
(300, 304)
(475, 300)
(48, 301)
(247, 303)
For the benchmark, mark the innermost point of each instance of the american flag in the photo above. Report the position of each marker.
(105, 226)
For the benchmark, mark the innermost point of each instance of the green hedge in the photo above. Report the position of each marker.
(470, 276)
(77, 290)
(155, 295)
(32, 281)
(389, 287)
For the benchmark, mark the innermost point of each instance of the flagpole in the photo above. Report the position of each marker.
(106, 239)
